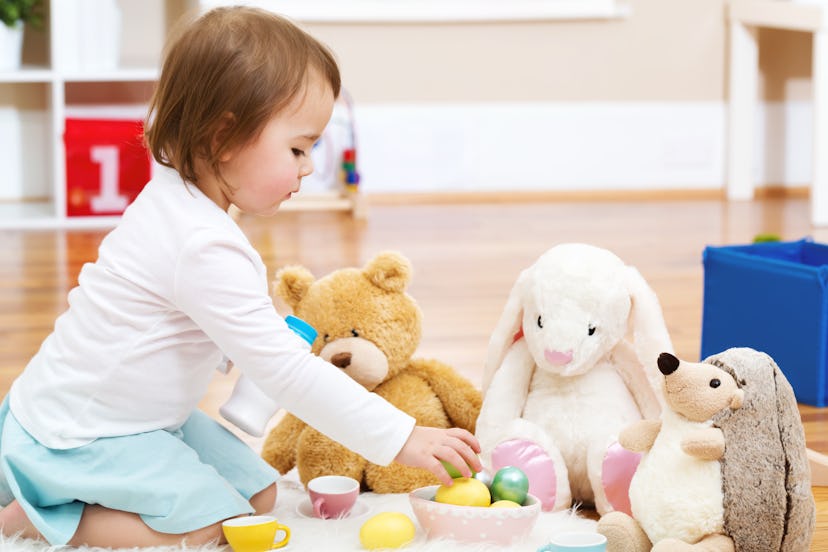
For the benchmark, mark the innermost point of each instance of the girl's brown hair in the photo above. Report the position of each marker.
(231, 70)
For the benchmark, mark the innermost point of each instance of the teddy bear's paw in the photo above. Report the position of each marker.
(617, 471)
(396, 478)
(548, 477)
(623, 533)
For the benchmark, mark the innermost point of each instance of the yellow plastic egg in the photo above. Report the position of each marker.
(504, 504)
(465, 491)
(387, 530)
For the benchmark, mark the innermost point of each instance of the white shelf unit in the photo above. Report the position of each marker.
(49, 211)
(33, 191)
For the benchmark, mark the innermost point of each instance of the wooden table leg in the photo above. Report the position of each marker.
(744, 71)
(819, 182)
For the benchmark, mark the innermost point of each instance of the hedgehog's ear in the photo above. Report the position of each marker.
(737, 400)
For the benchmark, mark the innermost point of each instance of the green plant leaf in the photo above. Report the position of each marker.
(29, 12)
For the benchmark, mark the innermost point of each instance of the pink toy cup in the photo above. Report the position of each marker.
(332, 496)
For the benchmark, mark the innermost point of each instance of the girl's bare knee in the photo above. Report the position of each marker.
(212, 534)
(264, 501)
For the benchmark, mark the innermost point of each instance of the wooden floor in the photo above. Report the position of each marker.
(466, 258)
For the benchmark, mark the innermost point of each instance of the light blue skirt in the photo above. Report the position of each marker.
(177, 481)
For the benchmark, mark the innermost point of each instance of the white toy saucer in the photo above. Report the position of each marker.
(360, 508)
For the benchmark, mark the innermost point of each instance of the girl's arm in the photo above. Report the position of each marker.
(221, 284)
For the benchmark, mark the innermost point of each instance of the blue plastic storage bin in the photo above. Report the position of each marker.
(771, 297)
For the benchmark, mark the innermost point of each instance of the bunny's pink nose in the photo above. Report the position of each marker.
(557, 358)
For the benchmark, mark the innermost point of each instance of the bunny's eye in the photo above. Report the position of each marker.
(714, 383)
(326, 338)
(354, 333)
(540, 322)
(591, 329)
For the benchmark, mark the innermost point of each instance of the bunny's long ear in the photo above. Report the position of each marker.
(649, 336)
(507, 327)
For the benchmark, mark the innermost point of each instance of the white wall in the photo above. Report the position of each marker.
(564, 146)
(637, 102)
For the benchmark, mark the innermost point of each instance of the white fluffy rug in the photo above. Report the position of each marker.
(311, 535)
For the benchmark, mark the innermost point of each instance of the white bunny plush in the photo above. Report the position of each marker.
(572, 361)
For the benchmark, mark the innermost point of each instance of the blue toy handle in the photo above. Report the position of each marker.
(302, 328)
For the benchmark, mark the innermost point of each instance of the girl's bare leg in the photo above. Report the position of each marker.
(265, 500)
(104, 527)
(13, 521)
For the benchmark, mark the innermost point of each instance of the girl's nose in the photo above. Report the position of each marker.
(306, 168)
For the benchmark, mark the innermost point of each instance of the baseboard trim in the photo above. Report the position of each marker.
(449, 198)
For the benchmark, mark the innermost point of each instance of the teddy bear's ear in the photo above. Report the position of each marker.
(292, 284)
(389, 271)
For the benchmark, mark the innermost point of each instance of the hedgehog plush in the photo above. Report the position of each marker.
(725, 469)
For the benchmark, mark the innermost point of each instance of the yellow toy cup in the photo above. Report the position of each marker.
(254, 533)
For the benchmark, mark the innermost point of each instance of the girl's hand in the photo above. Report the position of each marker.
(427, 446)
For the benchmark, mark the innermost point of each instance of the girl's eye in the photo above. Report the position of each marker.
(591, 329)
(540, 322)
(297, 152)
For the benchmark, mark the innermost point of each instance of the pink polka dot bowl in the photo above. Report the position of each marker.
(476, 524)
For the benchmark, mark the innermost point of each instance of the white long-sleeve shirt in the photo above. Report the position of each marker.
(176, 287)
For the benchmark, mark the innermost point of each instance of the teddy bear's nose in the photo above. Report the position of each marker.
(667, 363)
(341, 360)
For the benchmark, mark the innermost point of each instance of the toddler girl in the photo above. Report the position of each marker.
(101, 442)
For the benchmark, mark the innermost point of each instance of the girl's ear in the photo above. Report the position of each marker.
(222, 130)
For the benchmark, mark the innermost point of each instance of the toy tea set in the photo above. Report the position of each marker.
(255, 533)
(583, 403)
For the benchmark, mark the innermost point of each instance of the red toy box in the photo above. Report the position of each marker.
(107, 165)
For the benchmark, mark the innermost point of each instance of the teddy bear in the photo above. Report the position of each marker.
(725, 468)
(571, 362)
(370, 327)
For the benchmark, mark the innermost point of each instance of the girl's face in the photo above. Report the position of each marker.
(269, 170)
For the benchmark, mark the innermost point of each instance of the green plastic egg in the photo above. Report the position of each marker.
(510, 483)
(452, 471)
